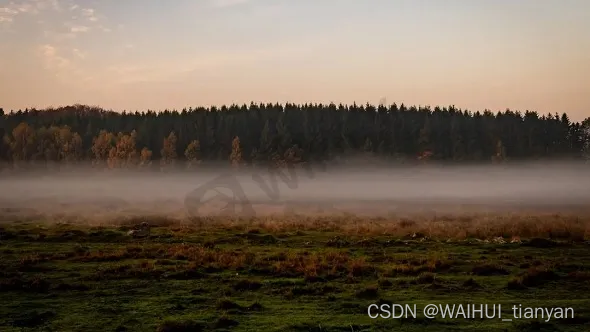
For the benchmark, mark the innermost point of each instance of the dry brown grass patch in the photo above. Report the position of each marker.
(447, 226)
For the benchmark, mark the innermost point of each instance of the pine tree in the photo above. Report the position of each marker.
(586, 139)
(424, 139)
(267, 131)
(368, 147)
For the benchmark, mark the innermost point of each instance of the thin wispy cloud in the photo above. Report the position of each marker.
(89, 14)
(61, 22)
(48, 4)
(63, 64)
(75, 21)
(78, 53)
(79, 28)
(219, 50)
(227, 3)
(51, 12)
(7, 14)
(10, 11)
(134, 72)
(52, 59)
(58, 37)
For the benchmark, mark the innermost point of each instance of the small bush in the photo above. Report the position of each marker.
(33, 319)
(224, 322)
(579, 276)
(426, 278)
(247, 285)
(533, 277)
(35, 285)
(515, 284)
(536, 277)
(228, 305)
(181, 326)
(368, 293)
(541, 243)
(489, 270)
(72, 287)
(471, 283)
(385, 283)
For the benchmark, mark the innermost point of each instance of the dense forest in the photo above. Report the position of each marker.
(281, 133)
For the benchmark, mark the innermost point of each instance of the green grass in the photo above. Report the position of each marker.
(67, 277)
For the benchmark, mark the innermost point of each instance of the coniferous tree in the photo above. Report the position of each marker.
(586, 139)
(268, 131)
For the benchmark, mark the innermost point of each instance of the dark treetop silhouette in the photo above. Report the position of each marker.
(279, 133)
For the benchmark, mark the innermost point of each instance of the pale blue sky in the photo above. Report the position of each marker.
(140, 54)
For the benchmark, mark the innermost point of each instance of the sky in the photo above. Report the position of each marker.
(154, 54)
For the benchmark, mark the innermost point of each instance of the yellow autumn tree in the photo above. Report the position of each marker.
(101, 146)
(236, 152)
(145, 157)
(23, 143)
(69, 144)
(47, 148)
(168, 151)
(500, 154)
(277, 161)
(293, 155)
(124, 153)
(290, 157)
(192, 153)
(57, 145)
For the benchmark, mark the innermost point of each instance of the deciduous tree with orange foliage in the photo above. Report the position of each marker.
(168, 151)
(23, 143)
(124, 153)
(236, 152)
(69, 144)
(500, 154)
(145, 157)
(192, 153)
(101, 147)
(47, 146)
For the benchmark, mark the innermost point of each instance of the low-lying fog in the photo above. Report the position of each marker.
(535, 185)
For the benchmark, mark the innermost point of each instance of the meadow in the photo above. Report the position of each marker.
(289, 272)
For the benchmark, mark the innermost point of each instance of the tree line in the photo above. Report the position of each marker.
(262, 133)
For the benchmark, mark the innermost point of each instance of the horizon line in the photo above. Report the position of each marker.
(208, 107)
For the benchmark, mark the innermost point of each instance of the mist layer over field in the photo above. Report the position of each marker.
(552, 187)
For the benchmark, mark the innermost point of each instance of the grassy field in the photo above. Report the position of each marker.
(290, 273)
